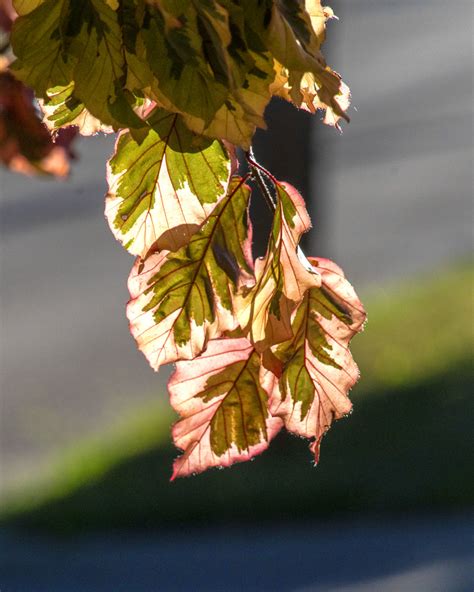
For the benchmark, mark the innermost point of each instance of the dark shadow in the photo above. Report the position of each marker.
(409, 450)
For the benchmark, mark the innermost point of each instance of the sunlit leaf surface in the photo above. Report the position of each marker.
(223, 404)
(317, 367)
(182, 299)
(163, 184)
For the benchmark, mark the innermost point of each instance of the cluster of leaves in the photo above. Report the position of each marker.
(26, 144)
(258, 345)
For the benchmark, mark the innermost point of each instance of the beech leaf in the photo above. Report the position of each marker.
(223, 405)
(237, 119)
(264, 309)
(295, 35)
(317, 367)
(38, 45)
(61, 108)
(164, 184)
(185, 81)
(181, 300)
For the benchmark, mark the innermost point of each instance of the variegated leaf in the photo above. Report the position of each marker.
(318, 368)
(181, 300)
(264, 310)
(296, 33)
(223, 405)
(163, 183)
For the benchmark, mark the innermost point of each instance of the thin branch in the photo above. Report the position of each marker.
(258, 173)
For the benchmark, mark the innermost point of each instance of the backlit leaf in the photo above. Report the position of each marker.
(264, 310)
(164, 186)
(181, 300)
(238, 118)
(61, 109)
(62, 42)
(99, 74)
(223, 405)
(295, 36)
(38, 45)
(175, 56)
(318, 368)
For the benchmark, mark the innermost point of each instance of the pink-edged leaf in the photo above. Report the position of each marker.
(223, 402)
(264, 310)
(163, 183)
(318, 369)
(180, 300)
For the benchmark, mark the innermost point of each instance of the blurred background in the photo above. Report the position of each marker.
(85, 447)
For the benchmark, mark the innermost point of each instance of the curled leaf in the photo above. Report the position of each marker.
(296, 33)
(61, 108)
(317, 367)
(264, 310)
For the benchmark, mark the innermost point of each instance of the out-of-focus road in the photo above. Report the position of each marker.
(398, 185)
(425, 555)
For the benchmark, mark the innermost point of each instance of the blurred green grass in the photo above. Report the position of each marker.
(407, 446)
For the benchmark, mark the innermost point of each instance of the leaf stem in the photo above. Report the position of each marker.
(258, 174)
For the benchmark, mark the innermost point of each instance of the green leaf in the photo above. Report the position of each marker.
(181, 300)
(185, 81)
(99, 74)
(237, 119)
(38, 45)
(318, 368)
(295, 35)
(62, 42)
(163, 185)
(61, 109)
(264, 310)
(223, 402)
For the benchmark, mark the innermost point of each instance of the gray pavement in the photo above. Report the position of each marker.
(434, 554)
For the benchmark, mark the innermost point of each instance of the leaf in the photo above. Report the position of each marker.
(181, 300)
(38, 45)
(175, 56)
(223, 405)
(25, 143)
(99, 74)
(62, 42)
(163, 187)
(237, 119)
(207, 49)
(264, 310)
(25, 6)
(62, 109)
(318, 368)
(295, 36)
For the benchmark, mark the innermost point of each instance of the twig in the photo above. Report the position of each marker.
(258, 172)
